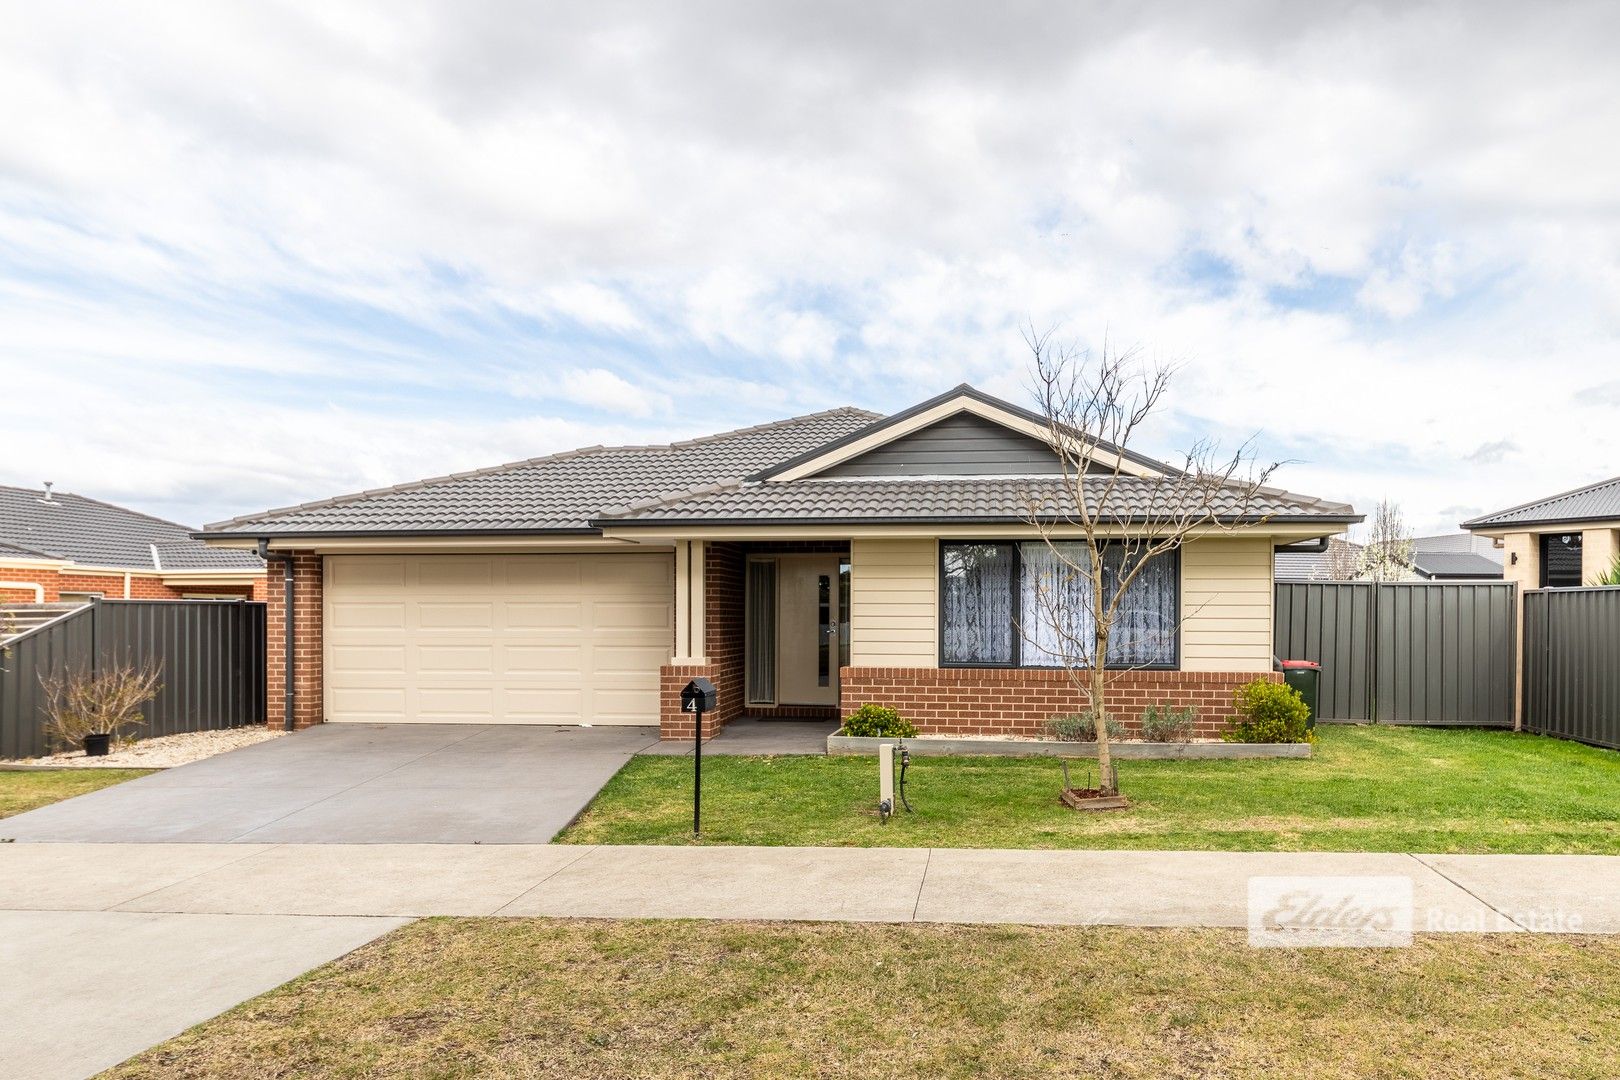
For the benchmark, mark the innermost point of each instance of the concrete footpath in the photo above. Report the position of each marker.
(1126, 888)
(106, 949)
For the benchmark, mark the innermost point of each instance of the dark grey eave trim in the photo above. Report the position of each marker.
(964, 390)
(387, 534)
(1480, 524)
(957, 519)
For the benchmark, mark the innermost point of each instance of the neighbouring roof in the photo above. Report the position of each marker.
(1312, 565)
(716, 479)
(947, 500)
(1459, 541)
(1595, 502)
(1455, 564)
(560, 493)
(93, 533)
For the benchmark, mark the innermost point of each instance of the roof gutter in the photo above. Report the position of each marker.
(1319, 546)
(289, 693)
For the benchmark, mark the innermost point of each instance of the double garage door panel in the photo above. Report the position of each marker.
(514, 639)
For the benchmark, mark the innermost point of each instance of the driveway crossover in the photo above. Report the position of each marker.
(357, 784)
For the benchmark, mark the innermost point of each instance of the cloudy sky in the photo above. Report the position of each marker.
(252, 254)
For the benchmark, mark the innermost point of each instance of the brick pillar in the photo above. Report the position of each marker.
(309, 707)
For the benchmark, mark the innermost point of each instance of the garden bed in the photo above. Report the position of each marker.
(158, 752)
(945, 746)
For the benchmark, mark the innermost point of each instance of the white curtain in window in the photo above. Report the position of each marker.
(1055, 602)
(1144, 630)
(978, 599)
(1054, 599)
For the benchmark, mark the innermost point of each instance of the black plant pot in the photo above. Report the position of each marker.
(97, 745)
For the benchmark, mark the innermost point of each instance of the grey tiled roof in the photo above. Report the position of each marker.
(1311, 565)
(980, 499)
(562, 492)
(1455, 564)
(94, 533)
(1595, 502)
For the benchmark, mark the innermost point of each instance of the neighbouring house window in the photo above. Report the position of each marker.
(1021, 605)
(79, 597)
(1561, 561)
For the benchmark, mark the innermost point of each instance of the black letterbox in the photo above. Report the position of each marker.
(699, 696)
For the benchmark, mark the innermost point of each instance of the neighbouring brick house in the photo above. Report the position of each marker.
(59, 547)
(806, 566)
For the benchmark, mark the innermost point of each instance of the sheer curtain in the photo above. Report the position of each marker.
(1053, 594)
(1056, 592)
(978, 603)
(1145, 626)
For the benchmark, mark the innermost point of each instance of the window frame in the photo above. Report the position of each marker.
(1017, 568)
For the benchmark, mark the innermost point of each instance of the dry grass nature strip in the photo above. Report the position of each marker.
(530, 998)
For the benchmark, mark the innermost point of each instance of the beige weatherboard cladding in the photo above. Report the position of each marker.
(893, 591)
(480, 639)
(1226, 604)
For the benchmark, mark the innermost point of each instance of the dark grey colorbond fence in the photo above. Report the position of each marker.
(1572, 664)
(1404, 653)
(211, 651)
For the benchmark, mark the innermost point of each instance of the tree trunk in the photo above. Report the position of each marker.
(1099, 710)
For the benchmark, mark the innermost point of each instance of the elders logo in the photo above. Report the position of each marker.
(1291, 912)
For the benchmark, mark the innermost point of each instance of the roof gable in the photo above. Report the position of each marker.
(876, 444)
(962, 444)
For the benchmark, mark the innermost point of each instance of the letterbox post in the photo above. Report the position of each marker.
(698, 697)
(697, 766)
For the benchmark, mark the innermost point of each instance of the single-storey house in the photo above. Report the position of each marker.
(806, 566)
(57, 547)
(1563, 541)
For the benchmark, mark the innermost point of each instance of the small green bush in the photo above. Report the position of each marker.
(1081, 727)
(878, 722)
(1269, 712)
(1161, 723)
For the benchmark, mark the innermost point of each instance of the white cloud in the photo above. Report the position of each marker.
(396, 218)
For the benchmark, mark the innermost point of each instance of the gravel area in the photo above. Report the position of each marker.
(161, 752)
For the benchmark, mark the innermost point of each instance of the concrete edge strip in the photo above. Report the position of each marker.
(1442, 875)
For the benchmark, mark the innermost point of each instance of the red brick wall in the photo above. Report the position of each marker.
(309, 707)
(111, 586)
(1019, 701)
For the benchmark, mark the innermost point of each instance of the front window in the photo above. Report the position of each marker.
(1026, 605)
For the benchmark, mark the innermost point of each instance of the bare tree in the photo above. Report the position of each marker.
(1112, 516)
(1343, 561)
(1387, 554)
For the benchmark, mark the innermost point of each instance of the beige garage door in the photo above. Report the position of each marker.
(505, 639)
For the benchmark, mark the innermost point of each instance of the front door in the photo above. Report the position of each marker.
(807, 630)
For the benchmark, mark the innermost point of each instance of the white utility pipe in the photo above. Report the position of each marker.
(39, 590)
(886, 778)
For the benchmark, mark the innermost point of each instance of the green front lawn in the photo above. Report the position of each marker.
(20, 791)
(532, 998)
(1366, 789)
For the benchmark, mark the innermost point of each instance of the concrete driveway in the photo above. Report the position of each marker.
(357, 784)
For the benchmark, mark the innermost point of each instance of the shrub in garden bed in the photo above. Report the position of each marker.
(1161, 723)
(1081, 727)
(1269, 712)
(878, 722)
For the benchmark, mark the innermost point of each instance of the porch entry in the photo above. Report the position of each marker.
(797, 628)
